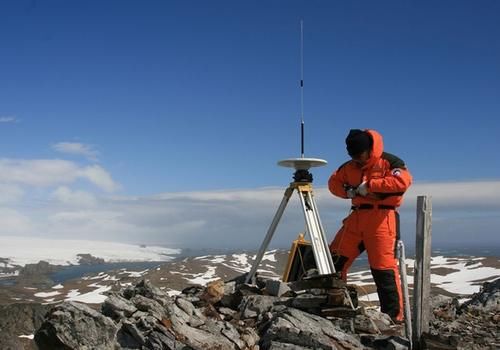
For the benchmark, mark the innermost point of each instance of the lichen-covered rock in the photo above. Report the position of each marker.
(487, 299)
(151, 306)
(117, 307)
(148, 290)
(73, 325)
(130, 337)
(254, 305)
(473, 325)
(293, 326)
(19, 319)
(214, 292)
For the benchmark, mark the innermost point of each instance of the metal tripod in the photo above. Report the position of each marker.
(303, 184)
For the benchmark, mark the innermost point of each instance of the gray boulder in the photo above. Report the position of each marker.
(73, 325)
(487, 299)
(130, 337)
(148, 290)
(118, 307)
(150, 306)
(299, 328)
(197, 338)
(19, 319)
(254, 305)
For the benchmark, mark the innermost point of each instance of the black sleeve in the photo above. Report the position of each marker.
(343, 165)
(394, 161)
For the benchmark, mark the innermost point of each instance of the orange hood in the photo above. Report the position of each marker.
(377, 148)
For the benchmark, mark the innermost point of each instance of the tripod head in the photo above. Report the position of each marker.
(302, 176)
(302, 166)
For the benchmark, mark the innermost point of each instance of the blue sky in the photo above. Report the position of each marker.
(114, 114)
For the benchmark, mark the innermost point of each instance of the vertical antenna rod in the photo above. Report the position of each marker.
(302, 88)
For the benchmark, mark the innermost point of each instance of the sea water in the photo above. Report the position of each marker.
(79, 271)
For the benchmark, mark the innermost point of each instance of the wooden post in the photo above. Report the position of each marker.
(422, 274)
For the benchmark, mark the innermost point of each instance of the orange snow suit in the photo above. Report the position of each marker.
(373, 223)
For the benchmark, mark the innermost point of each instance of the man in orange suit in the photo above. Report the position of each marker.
(375, 182)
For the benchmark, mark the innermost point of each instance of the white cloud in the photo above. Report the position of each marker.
(8, 119)
(99, 177)
(74, 198)
(75, 148)
(101, 224)
(240, 218)
(453, 195)
(261, 194)
(38, 172)
(10, 193)
(459, 194)
(84, 217)
(53, 172)
(13, 222)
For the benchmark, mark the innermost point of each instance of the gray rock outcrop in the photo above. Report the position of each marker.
(471, 326)
(221, 316)
(40, 268)
(37, 275)
(87, 259)
(245, 317)
(19, 319)
(76, 326)
(487, 299)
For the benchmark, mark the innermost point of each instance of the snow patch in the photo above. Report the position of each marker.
(461, 282)
(369, 297)
(200, 278)
(46, 294)
(134, 273)
(72, 293)
(240, 259)
(29, 336)
(173, 292)
(9, 274)
(270, 255)
(93, 297)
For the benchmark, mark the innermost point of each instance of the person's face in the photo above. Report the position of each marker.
(361, 158)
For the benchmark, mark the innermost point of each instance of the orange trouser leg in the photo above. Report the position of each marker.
(381, 233)
(377, 231)
(346, 246)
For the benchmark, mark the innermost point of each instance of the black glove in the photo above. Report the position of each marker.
(350, 191)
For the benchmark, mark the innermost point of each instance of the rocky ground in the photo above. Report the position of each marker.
(222, 316)
(266, 315)
(452, 321)
(474, 324)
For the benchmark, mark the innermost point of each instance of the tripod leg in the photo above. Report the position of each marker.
(322, 235)
(320, 248)
(270, 233)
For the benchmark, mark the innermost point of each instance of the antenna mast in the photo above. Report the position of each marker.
(302, 88)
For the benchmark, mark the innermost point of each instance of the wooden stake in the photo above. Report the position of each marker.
(422, 274)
